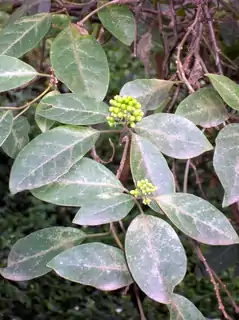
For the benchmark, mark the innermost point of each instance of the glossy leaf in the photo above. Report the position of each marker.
(85, 181)
(119, 21)
(149, 92)
(198, 218)
(49, 156)
(228, 89)
(29, 256)
(24, 34)
(18, 137)
(183, 309)
(43, 123)
(100, 211)
(225, 162)
(6, 122)
(155, 257)
(93, 264)
(14, 73)
(147, 162)
(71, 108)
(80, 63)
(173, 135)
(204, 108)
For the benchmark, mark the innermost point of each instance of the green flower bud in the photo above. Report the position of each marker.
(116, 110)
(132, 124)
(123, 106)
(120, 115)
(138, 118)
(132, 118)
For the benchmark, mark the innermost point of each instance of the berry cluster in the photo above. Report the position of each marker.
(124, 110)
(144, 188)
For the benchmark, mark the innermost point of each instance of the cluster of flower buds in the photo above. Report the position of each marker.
(124, 110)
(143, 189)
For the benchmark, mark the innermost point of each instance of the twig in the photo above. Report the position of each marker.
(185, 180)
(213, 281)
(198, 180)
(139, 303)
(97, 158)
(126, 140)
(174, 99)
(213, 38)
(114, 234)
(175, 175)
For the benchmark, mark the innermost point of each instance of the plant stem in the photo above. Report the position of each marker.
(114, 234)
(28, 105)
(185, 180)
(98, 235)
(139, 303)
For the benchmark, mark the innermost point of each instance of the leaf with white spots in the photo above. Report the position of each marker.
(71, 108)
(183, 309)
(23, 35)
(29, 256)
(49, 156)
(93, 264)
(226, 162)
(119, 21)
(14, 73)
(6, 122)
(149, 92)
(198, 218)
(228, 89)
(100, 211)
(155, 256)
(204, 108)
(147, 162)
(85, 181)
(18, 137)
(173, 135)
(80, 63)
(43, 123)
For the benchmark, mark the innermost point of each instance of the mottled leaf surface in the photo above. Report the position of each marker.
(71, 108)
(6, 122)
(228, 89)
(226, 162)
(147, 162)
(14, 73)
(93, 264)
(155, 256)
(100, 211)
(85, 181)
(204, 108)
(149, 92)
(119, 21)
(29, 256)
(183, 309)
(24, 34)
(198, 218)
(18, 137)
(50, 155)
(44, 124)
(80, 63)
(173, 135)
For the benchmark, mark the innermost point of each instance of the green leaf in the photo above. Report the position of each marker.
(58, 23)
(6, 122)
(173, 135)
(155, 256)
(14, 73)
(149, 92)
(43, 123)
(71, 108)
(93, 264)
(50, 155)
(204, 108)
(183, 309)
(80, 63)
(18, 137)
(225, 162)
(147, 162)
(119, 21)
(29, 256)
(100, 211)
(228, 89)
(24, 34)
(85, 181)
(198, 218)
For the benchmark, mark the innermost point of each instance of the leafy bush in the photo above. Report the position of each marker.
(61, 165)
